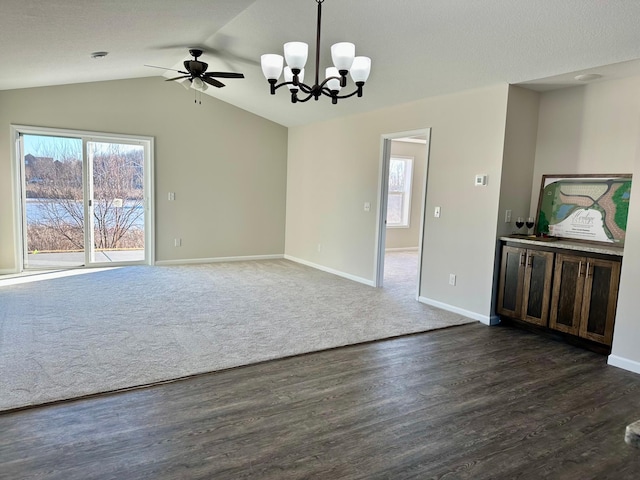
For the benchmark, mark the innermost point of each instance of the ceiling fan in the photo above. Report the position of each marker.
(196, 72)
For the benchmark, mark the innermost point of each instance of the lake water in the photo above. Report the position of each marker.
(39, 210)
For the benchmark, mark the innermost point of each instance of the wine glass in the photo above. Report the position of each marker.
(519, 223)
(530, 224)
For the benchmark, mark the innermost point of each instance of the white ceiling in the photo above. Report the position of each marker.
(419, 48)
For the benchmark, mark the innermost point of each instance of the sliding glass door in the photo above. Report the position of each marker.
(84, 200)
(116, 202)
(53, 198)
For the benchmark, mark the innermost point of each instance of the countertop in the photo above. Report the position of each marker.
(566, 244)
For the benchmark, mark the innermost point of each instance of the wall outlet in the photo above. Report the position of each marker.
(172, 196)
(452, 279)
(367, 206)
(507, 216)
(177, 242)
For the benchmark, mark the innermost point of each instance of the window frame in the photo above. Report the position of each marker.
(406, 193)
(17, 131)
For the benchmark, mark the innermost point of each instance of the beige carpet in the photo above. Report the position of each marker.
(108, 330)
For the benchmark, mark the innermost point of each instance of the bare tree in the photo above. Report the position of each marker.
(53, 172)
(118, 193)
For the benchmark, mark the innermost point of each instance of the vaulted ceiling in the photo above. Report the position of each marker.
(419, 48)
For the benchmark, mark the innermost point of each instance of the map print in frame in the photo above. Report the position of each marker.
(584, 207)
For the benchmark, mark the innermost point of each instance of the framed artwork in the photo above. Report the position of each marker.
(591, 208)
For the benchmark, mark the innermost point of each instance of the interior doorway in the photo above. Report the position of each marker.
(83, 199)
(403, 184)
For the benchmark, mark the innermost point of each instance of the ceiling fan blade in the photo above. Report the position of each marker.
(224, 75)
(212, 81)
(177, 78)
(165, 68)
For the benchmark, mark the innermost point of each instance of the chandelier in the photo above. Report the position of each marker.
(344, 62)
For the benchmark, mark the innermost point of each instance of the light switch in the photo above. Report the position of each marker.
(367, 206)
(436, 212)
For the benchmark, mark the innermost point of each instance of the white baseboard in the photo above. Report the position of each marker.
(194, 261)
(331, 270)
(402, 249)
(487, 320)
(624, 363)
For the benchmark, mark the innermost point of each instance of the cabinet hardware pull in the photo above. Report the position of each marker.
(522, 259)
(529, 260)
(580, 269)
(587, 272)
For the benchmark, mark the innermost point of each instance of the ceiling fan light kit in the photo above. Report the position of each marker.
(195, 73)
(295, 53)
(198, 84)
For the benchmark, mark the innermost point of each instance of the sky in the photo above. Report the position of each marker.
(61, 148)
(57, 147)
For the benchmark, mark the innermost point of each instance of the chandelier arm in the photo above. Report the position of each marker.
(326, 80)
(349, 95)
(304, 87)
(326, 92)
(275, 87)
(305, 99)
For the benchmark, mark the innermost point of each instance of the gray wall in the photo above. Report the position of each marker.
(226, 166)
(596, 129)
(519, 157)
(329, 181)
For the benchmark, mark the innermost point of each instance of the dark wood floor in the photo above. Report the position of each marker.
(468, 402)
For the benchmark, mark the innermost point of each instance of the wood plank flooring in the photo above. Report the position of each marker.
(468, 402)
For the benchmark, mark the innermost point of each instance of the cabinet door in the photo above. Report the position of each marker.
(537, 287)
(566, 297)
(599, 300)
(511, 282)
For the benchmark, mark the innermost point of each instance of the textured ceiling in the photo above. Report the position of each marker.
(419, 48)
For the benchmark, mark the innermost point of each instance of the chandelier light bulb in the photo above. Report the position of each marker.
(334, 83)
(272, 65)
(296, 53)
(342, 55)
(360, 69)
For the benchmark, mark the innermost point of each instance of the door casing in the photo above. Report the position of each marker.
(383, 183)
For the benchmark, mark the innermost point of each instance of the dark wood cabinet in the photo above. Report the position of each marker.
(525, 284)
(565, 290)
(584, 297)
(511, 282)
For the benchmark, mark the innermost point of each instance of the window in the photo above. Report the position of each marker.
(399, 196)
(84, 197)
